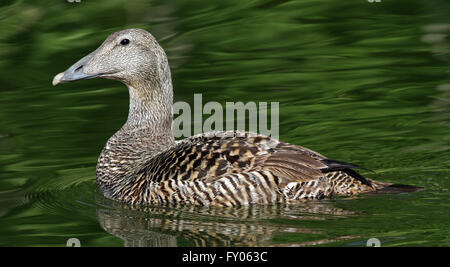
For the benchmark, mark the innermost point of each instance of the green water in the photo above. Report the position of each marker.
(367, 83)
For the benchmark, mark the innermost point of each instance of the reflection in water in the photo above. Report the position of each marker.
(209, 226)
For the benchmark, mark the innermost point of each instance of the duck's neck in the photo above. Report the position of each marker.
(148, 131)
(149, 123)
(150, 112)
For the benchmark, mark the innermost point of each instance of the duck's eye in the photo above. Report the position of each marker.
(124, 42)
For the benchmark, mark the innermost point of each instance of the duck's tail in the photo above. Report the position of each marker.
(388, 188)
(349, 182)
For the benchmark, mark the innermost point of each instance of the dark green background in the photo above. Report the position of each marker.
(361, 82)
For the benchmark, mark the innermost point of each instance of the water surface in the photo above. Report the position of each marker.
(362, 82)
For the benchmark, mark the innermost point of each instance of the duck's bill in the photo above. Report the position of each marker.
(75, 72)
(64, 77)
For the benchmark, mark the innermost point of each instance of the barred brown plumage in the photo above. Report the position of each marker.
(143, 164)
(224, 169)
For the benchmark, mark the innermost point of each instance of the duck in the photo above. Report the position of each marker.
(142, 163)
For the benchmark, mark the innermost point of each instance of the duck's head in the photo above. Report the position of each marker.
(130, 56)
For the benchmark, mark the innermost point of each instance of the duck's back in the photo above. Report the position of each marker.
(237, 168)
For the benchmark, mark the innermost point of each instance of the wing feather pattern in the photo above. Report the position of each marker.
(241, 168)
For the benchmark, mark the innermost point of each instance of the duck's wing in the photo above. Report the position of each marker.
(209, 156)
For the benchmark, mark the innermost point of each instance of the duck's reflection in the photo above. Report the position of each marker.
(201, 226)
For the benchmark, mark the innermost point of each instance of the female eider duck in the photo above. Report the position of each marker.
(143, 164)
